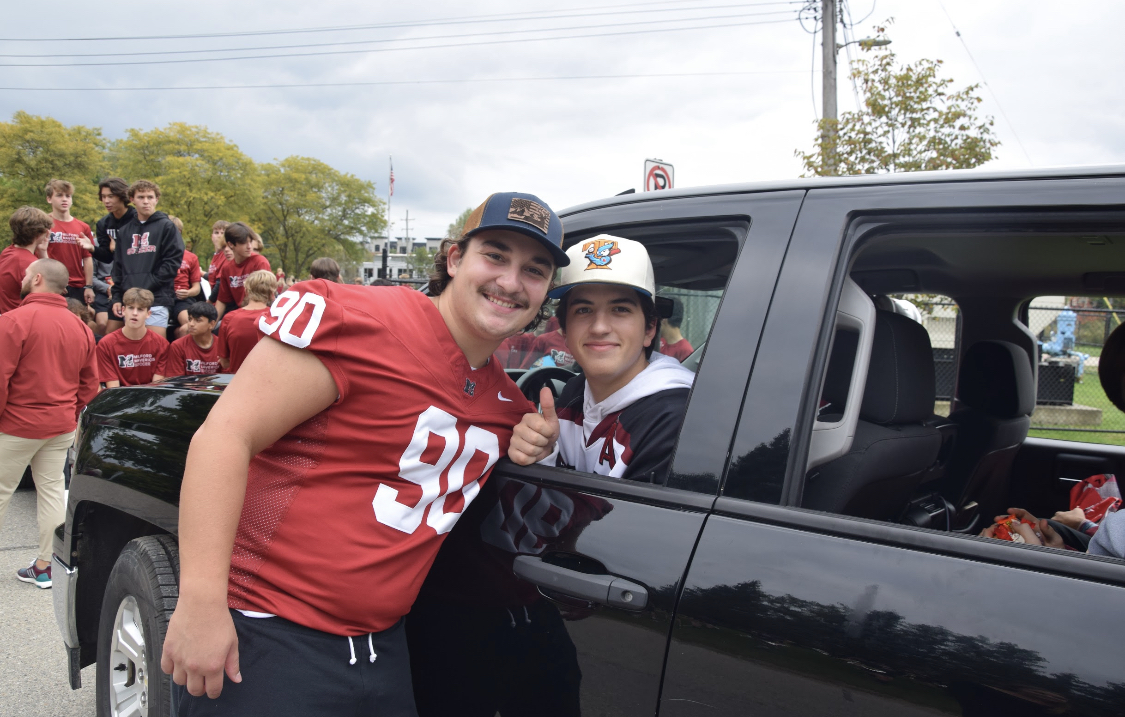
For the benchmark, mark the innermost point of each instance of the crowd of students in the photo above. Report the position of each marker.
(137, 288)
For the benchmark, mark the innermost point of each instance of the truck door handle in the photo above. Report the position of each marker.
(603, 589)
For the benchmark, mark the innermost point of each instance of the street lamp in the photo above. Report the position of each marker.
(866, 43)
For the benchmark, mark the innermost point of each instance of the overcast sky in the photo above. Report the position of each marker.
(495, 123)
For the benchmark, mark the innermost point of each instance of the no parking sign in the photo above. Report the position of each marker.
(658, 175)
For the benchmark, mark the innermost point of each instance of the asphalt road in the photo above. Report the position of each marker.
(32, 661)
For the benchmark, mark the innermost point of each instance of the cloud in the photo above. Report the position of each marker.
(568, 140)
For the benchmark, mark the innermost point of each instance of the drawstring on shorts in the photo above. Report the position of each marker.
(370, 650)
(512, 617)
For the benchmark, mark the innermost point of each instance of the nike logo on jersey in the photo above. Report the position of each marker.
(501, 397)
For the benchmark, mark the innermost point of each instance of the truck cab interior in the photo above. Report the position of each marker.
(884, 447)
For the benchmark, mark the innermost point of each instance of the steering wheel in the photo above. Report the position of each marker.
(533, 380)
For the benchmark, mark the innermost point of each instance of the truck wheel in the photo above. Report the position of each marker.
(139, 600)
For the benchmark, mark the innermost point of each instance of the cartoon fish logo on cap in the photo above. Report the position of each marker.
(600, 253)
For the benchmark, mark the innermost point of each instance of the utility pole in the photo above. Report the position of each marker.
(408, 245)
(828, 88)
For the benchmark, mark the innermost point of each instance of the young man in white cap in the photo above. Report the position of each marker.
(620, 417)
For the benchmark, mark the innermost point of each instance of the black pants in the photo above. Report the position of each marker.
(476, 661)
(288, 669)
(76, 292)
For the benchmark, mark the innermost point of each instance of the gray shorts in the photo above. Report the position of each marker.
(158, 317)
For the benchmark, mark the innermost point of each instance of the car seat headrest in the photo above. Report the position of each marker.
(996, 379)
(900, 377)
(1111, 367)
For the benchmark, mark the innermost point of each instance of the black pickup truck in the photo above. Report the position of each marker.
(813, 549)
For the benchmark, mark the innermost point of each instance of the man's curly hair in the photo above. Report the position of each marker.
(440, 278)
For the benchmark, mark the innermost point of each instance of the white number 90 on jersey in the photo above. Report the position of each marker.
(286, 310)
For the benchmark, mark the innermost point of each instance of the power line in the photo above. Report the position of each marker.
(400, 49)
(985, 82)
(405, 39)
(391, 25)
(663, 75)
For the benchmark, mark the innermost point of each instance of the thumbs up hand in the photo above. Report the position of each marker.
(534, 438)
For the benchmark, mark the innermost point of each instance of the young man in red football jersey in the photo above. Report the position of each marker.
(242, 241)
(134, 354)
(376, 416)
(31, 230)
(67, 238)
(196, 354)
(239, 333)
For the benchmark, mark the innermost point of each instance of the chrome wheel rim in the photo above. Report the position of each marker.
(128, 675)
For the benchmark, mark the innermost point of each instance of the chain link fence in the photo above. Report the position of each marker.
(699, 309)
(1070, 403)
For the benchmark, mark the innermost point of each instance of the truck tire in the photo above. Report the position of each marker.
(139, 599)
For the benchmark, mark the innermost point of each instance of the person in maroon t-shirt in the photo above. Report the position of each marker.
(550, 349)
(133, 354)
(196, 354)
(242, 241)
(239, 332)
(31, 230)
(672, 342)
(221, 256)
(67, 236)
(513, 350)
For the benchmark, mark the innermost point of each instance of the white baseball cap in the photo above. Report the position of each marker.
(606, 259)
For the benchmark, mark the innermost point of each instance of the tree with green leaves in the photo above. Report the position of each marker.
(308, 209)
(912, 120)
(458, 225)
(420, 261)
(203, 177)
(34, 150)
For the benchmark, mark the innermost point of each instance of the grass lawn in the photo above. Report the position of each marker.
(1089, 393)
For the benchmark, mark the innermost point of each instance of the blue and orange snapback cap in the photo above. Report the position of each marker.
(523, 213)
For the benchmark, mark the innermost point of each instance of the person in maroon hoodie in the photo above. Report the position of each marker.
(47, 376)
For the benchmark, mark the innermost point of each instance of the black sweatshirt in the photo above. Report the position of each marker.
(106, 229)
(148, 256)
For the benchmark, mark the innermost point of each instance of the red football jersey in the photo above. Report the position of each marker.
(238, 334)
(189, 271)
(343, 515)
(230, 279)
(14, 261)
(64, 247)
(120, 358)
(184, 357)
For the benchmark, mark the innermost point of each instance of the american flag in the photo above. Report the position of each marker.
(392, 178)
